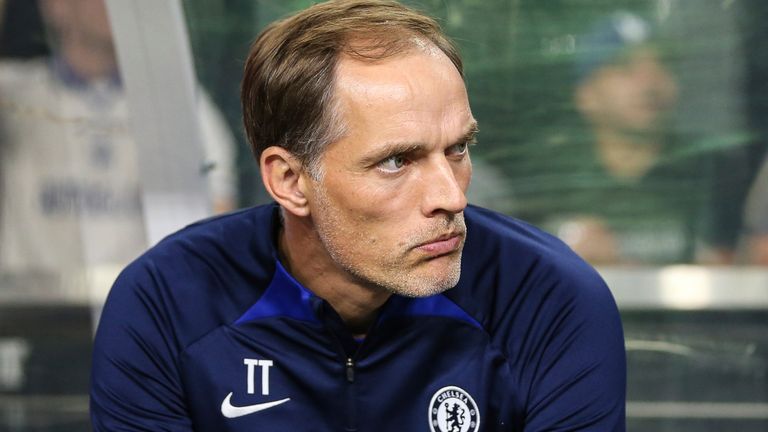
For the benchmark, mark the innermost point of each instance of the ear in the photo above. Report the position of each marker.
(284, 179)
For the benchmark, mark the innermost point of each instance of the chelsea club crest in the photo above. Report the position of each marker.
(453, 410)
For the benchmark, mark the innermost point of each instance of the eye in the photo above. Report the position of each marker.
(393, 163)
(457, 149)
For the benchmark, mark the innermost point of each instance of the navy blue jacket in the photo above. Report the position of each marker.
(208, 332)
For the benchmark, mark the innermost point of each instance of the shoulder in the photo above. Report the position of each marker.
(200, 277)
(510, 247)
(241, 232)
(516, 275)
(502, 230)
(549, 314)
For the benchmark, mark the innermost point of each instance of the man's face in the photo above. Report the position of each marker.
(84, 20)
(633, 96)
(389, 205)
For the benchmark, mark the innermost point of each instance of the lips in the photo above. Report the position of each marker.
(442, 245)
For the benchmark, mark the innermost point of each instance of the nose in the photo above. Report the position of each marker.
(444, 187)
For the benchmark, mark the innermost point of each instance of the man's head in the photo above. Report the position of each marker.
(288, 83)
(623, 84)
(78, 21)
(80, 33)
(360, 117)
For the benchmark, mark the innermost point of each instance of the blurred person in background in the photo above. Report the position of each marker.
(71, 193)
(635, 193)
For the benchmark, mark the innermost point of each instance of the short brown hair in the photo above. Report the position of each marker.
(287, 90)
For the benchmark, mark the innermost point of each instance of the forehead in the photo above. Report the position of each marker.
(421, 86)
(422, 64)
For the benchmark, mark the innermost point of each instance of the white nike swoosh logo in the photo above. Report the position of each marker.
(231, 411)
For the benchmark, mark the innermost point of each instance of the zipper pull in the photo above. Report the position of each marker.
(350, 369)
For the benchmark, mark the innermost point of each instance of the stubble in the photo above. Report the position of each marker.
(396, 269)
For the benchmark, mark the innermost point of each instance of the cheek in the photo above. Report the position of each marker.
(379, 218)
(463, 174)
(621, 97)
(370, 201)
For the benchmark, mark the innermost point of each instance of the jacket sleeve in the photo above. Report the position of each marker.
(576, 364)
(135, 383)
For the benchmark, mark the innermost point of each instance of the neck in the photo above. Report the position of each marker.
(306, 258)
(627, 157)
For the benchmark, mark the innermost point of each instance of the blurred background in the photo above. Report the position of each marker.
(635, 130)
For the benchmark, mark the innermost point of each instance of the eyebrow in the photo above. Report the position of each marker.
(396, 148)
(470, 137)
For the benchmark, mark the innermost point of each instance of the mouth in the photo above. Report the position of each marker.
(442, 245)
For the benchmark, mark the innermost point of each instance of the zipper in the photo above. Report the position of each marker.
(350, 370)
(349, 352)
(349, 366)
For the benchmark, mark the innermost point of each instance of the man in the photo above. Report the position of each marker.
(631, 189)
(626, 95)
(370, 296)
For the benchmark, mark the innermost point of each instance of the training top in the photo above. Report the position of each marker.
(207, 331)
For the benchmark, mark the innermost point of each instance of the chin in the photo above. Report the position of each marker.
(415, 279)
(420, 291)
(426, 285)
